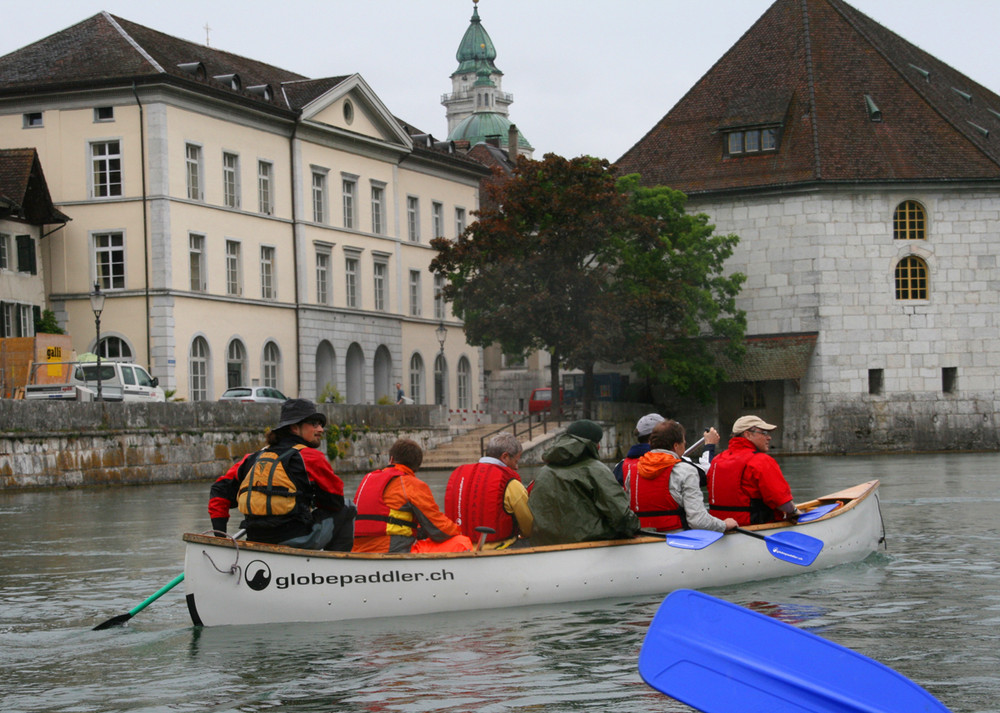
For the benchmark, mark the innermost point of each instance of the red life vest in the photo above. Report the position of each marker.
(726, 496)
(474, 498)
(650, 498)
(630, 470)
(374, 517)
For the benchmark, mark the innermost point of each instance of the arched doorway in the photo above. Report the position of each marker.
(355, 374)
(326, 367)
(383, 374)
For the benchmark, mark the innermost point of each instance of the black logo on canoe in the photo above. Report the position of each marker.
(258, 575)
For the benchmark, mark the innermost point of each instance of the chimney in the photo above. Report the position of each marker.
(512, 143)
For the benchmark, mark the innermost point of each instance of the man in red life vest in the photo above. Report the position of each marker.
(397, 511)
(746, 483)
(490, 494)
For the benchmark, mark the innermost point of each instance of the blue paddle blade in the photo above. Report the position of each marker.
(794, 547)
(692, 539)
(817, 512)
(719, 658)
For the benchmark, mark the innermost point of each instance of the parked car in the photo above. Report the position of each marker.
(78, 381)
(254, 394)
(541, 400)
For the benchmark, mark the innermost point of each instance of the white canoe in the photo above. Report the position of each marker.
(253, 583)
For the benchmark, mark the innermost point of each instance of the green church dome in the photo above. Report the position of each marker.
(477, 127)
(476, 48)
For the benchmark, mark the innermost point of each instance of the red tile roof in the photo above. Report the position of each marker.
(809, 65)
(23, 191)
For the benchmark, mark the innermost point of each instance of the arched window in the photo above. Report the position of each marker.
(198, 370)
(464, 383)
(440, 380)
(383, 375)
(236, 364)
(326, 368)
(271, 365)
(911, 278)
(115, 348)
(417, 379)
(355, 374)
(908, 222)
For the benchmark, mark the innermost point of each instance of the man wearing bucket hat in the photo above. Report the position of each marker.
(288, 491)
(575, 497)
(744, 482)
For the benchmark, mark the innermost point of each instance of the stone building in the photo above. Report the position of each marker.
(863, 177)
(248, 224)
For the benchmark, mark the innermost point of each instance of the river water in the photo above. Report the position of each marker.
(928, 607)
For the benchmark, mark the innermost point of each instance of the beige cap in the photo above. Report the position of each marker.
(745, 423)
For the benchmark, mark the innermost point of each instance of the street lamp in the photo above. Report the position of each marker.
(97, 304)
(441, 333)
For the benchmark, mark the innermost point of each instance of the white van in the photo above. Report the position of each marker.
(78, 381)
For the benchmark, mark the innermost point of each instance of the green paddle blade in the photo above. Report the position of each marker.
(721, 658)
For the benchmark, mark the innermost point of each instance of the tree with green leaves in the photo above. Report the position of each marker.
(565, 258)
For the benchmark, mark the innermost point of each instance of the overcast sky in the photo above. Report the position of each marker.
(588, 76)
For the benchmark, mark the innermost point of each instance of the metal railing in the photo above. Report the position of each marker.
(534, 422)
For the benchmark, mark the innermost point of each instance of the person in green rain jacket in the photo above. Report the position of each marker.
(575, 497)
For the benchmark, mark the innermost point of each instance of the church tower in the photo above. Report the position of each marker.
(477, 107)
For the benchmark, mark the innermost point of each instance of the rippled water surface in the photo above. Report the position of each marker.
(929, 607)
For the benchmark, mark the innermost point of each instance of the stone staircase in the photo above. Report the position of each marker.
(465, 447)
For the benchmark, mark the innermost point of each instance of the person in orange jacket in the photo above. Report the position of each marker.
(397, 511)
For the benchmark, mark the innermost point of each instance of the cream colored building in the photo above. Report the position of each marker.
(249, 225)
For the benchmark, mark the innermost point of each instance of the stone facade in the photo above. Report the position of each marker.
(824, 261)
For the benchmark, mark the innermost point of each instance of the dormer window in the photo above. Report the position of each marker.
(751, 141)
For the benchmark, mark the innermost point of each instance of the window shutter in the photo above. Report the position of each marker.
(26, 254)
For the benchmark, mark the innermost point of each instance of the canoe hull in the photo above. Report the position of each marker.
(265, 583)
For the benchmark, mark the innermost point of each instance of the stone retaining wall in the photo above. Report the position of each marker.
(52, 444)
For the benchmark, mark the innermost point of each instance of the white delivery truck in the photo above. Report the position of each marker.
(78, 381)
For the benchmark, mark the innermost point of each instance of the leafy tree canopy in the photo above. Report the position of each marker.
(567, 258)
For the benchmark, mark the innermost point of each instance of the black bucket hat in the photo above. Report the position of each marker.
(298, 410)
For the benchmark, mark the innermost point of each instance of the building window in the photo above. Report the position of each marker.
(438, 297)
(949, 379)
(413, 218)
(751, 141)
(230, 180)
(4, 251)
(350, 189)
(319, 196)
(464, 376)
(267, 289)
(459, 221)
(271, 365)
(26, 324)
(104, 113)
(437, 219)
(236, 365)
(351, 281)
(8, 321)
(911, 279)
(106, 165)
(114, 348)
(32, 120)
(379, 283)
(26, 259)
(378, 209)
(753, 395)
(265, 172)
(908, 222)
(198, 369)
(322, 277)
(440, 380)
(109, 260)
(234, 268)
(414, 293)
(196, 251)
(417, 379)
(193, 165)
(875, 381)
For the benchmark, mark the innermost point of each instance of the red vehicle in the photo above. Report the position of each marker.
(541, 400)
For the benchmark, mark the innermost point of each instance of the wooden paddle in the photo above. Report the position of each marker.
(122, 618)
(719, 657)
